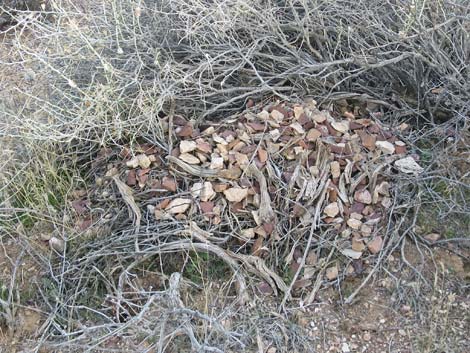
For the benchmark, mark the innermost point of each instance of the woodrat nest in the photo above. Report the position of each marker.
(294, 194)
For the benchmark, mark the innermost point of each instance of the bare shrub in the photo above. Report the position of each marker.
(115, 67)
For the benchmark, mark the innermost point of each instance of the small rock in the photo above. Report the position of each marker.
(312, 258)
(351, 253)
(338, 148)
(220, 187)
(262, 155)
(184, 131)
(405, 309)
(408, 165)
(354, 223)
(324, 130)
(237, 146)
(196, 190)
(242, 159)
(202, 157)
(263, 115)
(45, 236)
(207, 207)
(169, 184)
(203, 146)
(144, 161)
(335, 169)
(366, 230)
(217, 163)
(231, 173)
(355, 215)
(235, 194)
(297, 127)
(432, 237)
(313, 135)
(277, 115)
(357, 207)
(248, 233)
(112, 171)
(57, 244)
(366, 337)
(131, 178)
(375, 245)
(298, 111)
(400, 149)
(319, 117)
(363, 196)
(350, 270)
(178, 205)
(332, 272)
(349, 115)
(207, 192)
(219, 139)
(332, 209)
(383, 188)
(354, 125)
(309, 272)
(187, 146)
(260, 231)
(341, 126)
(141, 160)
(368, 140)
(345, 348)
(386, 202)
(358, 245)
(385, 146)
(150, 209)
(222, 149)
(368, 210)
(301, 283)
(275, 134)
(403, 126)
(265, 288)
(314, 171)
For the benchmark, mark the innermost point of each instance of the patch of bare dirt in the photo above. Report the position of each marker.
(19, 277)
(397, 312)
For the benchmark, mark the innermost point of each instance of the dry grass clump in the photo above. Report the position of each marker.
(89, 75)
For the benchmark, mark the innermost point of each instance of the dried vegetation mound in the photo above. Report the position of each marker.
(296, 195)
